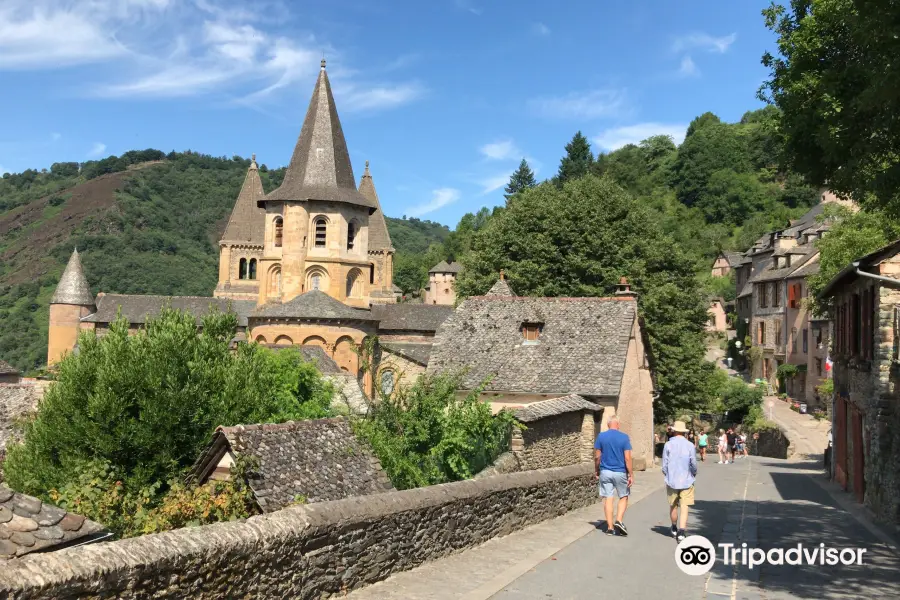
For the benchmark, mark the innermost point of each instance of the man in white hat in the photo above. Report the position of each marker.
(679, 467)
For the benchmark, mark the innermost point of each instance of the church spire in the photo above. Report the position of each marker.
(73, 287)
(248, 220)
(379, 238)
(320, 167)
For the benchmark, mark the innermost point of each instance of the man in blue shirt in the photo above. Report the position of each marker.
(612, 467)
(679, 467)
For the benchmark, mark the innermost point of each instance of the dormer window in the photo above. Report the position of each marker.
(531, 332)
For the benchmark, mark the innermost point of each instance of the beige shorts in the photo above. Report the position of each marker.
(679, 497)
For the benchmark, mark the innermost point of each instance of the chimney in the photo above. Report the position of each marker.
(624, 289)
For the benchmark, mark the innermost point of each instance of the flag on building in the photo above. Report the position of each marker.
(828, 363)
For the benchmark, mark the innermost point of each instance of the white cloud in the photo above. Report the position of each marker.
(581, 105)
(97, 149)
(492, 184)
(167, 48)
(615, 138)
(439, 198)
(502, 150)
(541, 29)
(688, 68)
(704, 41)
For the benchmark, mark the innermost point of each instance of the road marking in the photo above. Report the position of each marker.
(740, 531)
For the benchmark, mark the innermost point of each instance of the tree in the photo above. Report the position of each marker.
(708, 149)
(426, 434)
(577, 161)
(145, 405)
(578, 241)
(835, 81)
(700, 122)
(521, 179)
(730, 197)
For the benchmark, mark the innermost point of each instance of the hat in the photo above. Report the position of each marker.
(680, 427)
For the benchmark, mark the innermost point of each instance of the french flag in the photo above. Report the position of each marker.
(828, 363)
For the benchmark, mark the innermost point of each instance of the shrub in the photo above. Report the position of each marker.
(425, 434)
(144, 405)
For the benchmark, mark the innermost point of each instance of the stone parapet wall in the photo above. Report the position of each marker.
(305, 552)
(552, 442)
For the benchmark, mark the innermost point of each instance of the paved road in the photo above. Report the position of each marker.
(766, 502)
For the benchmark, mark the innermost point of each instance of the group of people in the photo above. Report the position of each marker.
(614, 472)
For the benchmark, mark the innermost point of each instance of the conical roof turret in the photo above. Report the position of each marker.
(248, 219)
(73, 287)
(379, 238)
(320, 167)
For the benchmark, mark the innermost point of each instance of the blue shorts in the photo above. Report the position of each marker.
(613, 483)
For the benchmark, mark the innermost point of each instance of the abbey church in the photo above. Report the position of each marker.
(311, 265)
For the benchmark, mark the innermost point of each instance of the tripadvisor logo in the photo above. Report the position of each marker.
(696, 555)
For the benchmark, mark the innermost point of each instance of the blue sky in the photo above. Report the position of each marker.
(444, 97)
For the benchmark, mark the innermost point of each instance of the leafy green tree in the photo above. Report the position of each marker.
(852, 236)
(426, 434)
(577, 161)
(146, 404)
(730, 197)
(521, 179)
(708, 149)
(700, 122)
(578, 241)
(834, 79)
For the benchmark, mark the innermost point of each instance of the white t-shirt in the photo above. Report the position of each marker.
(723, 440)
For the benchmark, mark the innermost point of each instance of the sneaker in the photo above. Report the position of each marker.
(674, 531)
(620, 528)
(720, 462)
(681, 536)
(610, 532)
(726, 462)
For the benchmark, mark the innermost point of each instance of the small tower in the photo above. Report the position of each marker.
(241, 247)
(71, 302)
(442, 283)
(381, 250)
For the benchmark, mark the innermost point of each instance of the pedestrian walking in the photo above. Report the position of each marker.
(679, 467)
(702, 443)
(744, 444)
(731, 439)
(721, 444)
(613, 469)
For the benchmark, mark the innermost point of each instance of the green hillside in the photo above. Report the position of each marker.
(144, 223)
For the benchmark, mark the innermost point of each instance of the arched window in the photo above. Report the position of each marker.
(354, 284)
(372, 273)
(275, 281)
(387, 382)
(321, 229)
(260, 339)
(279, 231)
(242, 269)
(351, 234)
(252, 268)
(316, 279)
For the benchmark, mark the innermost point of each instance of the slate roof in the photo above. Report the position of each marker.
(444, 267)
(379, 238)
(29, 525)
(734, 258)
(581, 348)
(416, 352)
(747, 290)
(248, 220)
(810, 268)
(314, 304)
(136, 309)
(7, 369)
(410, 317)
(501, 288)
(555, 406)
(320, 167)
(319, 459)
(770, 274)
(864, 262)
(73, 287)
(323, 362)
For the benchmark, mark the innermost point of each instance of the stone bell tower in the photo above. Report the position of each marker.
(70, 303)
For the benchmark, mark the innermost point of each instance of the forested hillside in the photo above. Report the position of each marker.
(144, 223)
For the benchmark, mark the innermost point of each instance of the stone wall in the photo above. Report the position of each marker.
(552, 442)
(772, 443)
(305, 552)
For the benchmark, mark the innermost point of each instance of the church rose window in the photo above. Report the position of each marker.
(351, 234)
(279, 231)
(242, 269)
(252, 268)
(321, 228)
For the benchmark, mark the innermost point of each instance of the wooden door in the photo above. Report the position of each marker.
(859, 457)
(839, 437)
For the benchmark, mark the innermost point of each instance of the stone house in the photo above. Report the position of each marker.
(525, 350)
(441, 287)
(29, 525)
(305, 461)
(864, 300)
(8, 373)
(725, 263)
(718, 319)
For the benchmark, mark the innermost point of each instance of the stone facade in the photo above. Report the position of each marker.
(552, 442)
(772, 443)
(718, 320)
(305, 552)
(442, 284)
(17, 401)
